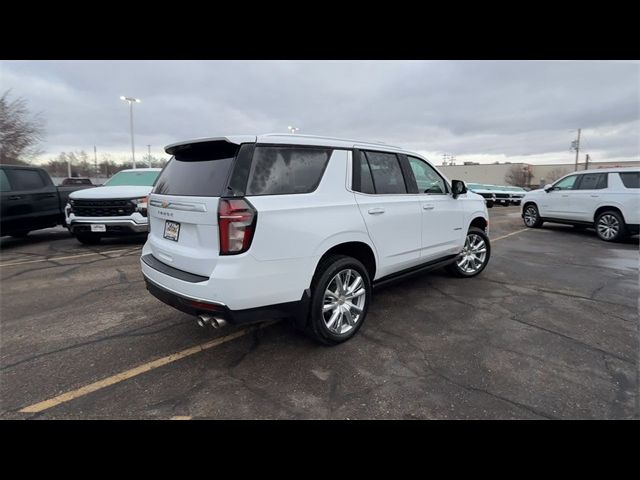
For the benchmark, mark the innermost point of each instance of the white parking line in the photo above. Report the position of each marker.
(70, 256)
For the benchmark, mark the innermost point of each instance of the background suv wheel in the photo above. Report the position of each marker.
(610, 226)
(531, 216)
(341, 291)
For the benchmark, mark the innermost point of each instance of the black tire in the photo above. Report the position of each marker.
(457, 270)
(325, 273)
(89, 239)
(489, 204)
(531, 209)
(606, 222)
(22, 234)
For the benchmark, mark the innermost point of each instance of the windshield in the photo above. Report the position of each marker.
(142, 178)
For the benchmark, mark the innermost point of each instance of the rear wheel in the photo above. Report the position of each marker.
(610, 226)
(531, 216)
(89, 239)
(474, 256)
(340, 296)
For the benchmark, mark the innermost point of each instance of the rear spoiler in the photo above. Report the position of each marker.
(188, 145)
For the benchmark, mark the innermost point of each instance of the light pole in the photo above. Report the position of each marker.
(131, 101)
(149, 157)
(292, 129)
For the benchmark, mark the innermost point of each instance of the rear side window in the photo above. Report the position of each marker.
(593, 181)
(22, 179)
(386, 172)
(631, 179)
(286, 170)
(362, 180)
(199, 170)
(5, 186)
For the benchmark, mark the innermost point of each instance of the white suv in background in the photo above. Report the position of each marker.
(607, 199)
(245, 228)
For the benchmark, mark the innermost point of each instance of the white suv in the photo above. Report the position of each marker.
(607, 199)
(245, 228)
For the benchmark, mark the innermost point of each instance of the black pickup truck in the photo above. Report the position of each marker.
(29, 200)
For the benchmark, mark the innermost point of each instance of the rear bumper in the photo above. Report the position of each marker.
(195, 306)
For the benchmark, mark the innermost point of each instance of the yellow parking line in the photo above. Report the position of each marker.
(134, 372)
(509, 234)
(181, 417)
(70, 256)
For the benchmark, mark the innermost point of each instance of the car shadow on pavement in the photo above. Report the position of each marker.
(50, 235)
(588, 233)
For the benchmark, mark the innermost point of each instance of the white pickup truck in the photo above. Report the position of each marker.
(117, 208)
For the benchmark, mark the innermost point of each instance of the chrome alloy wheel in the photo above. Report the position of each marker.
(474, 254)
(530, 216)
(608, 226)
(344, 301)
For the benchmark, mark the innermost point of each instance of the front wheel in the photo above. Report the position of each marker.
(610, 226)
(474, 256)
(340, 296)
(531, 216)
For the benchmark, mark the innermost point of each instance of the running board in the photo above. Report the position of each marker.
(417, 270)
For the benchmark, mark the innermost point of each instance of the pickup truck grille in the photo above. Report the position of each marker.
(103, 208)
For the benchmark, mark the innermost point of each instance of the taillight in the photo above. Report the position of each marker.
(236, 222)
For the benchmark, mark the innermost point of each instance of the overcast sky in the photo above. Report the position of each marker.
(476, 110)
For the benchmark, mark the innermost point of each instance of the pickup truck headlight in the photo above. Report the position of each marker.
(141, 205)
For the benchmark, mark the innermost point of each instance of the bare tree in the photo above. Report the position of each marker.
(20, 131)
(555, 174)
(519, 175)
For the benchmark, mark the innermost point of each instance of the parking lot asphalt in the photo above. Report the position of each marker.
(548, 330)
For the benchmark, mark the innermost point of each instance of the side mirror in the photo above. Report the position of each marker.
(458, 188)
(548, 187)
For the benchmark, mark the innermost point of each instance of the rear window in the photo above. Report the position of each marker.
(386, 171)
(199, 170)
(142, 178)
(22, 179)
(286, 170)
(631, 179)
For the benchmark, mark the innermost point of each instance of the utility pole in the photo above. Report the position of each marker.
(149, 157)
(95, 159)
(586, 164)
(576, 145)
(69, 165)
(131, 101)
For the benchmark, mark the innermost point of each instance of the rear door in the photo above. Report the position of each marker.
(442, 215)
(183, 206)
(391, 214)
(33, 201)
(587, 195)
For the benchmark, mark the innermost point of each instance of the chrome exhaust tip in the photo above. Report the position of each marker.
(218, 322)
(203, 320)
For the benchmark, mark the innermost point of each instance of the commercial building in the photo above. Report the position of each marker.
(495, 173)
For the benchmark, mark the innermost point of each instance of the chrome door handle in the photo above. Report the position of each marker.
(376, 211)
(428, 206)
(565, 195)
(15, 197)
(595, 196)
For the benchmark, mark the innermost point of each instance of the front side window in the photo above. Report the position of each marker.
(566, 183)
(5, 186)
(286, 170)
(427, 178)
(593, 181)
(386, 173)
(630, 179)
(23, 179)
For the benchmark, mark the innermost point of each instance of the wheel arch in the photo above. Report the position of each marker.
(357, 249)
(605, 208)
